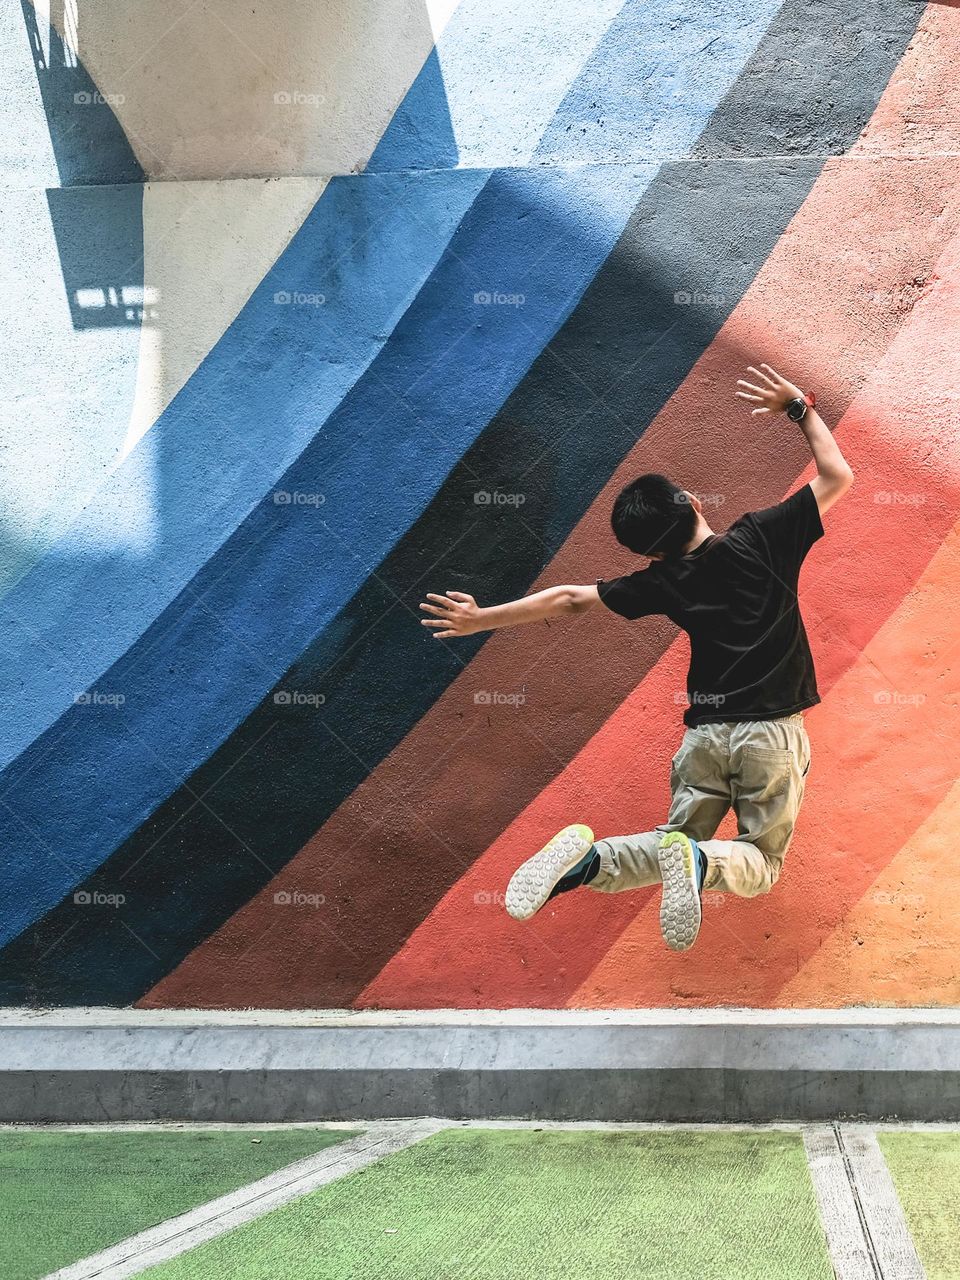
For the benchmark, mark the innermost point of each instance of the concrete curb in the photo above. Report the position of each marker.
(632, 1065)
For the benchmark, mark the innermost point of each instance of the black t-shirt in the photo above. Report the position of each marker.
(736, 597)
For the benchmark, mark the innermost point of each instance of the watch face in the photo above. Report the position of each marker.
(796, 409)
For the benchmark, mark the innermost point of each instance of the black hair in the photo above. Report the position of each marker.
(652, 516)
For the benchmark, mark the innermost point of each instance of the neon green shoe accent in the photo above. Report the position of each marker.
(583, 832)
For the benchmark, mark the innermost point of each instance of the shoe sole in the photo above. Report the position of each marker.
(534, 880)
(680, 909)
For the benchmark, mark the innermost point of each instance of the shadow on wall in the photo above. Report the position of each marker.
(98, 228)
(89, 146)
(396, 446)
(110, 229)
(99, 239)
(278, 766)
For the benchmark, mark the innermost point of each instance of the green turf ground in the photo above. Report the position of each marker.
(926, 1172)
(512, 1204)
(66, 1194)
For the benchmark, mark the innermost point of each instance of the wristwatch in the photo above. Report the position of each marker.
(797, 408)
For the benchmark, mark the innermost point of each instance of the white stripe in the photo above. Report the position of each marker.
(177, 1235)
(440, 12)
(885, 1224)
(839, 1214)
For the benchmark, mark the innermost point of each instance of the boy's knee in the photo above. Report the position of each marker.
(769, 878)
(750, 880)
(764, 886)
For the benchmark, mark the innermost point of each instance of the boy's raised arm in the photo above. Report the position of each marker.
(458, 614)
(772, 392)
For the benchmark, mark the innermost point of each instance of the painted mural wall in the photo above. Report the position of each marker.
(312, 309)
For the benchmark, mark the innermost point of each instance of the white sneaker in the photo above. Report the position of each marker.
(534, 880)
(680, 907)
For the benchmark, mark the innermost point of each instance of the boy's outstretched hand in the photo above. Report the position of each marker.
(456, 612)
(774, 392)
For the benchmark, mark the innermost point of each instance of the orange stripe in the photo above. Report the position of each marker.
(899, 944)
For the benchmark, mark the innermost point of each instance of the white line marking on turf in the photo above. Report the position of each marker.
(842, 1225)
(177, 1235)
(886, 1227)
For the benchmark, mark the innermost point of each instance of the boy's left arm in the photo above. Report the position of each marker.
(458, 614)
(834, 475)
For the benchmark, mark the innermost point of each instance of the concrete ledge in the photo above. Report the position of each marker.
(696, 1065)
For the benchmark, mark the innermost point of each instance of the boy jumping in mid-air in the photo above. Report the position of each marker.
(751, 676)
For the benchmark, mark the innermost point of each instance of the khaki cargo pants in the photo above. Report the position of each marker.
(757, 767)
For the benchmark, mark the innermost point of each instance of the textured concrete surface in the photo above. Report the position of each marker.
(210, 92)
(481, 1199)
(175, 1236)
